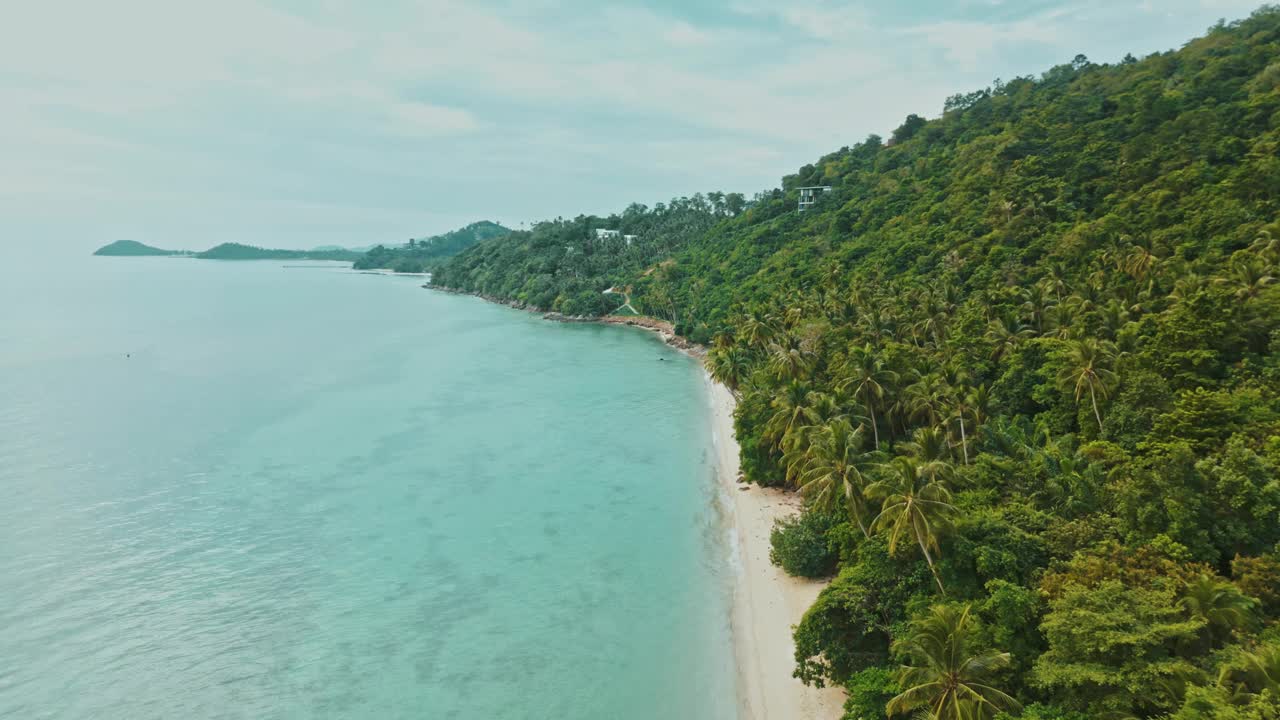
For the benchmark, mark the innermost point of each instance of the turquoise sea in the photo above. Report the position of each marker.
(273, 490)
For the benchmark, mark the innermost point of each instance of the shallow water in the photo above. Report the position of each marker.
(249, 490)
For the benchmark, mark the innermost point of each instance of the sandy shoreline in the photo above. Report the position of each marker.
(766, 601)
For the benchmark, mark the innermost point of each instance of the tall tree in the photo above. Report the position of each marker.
(865, 375)
(1252, 674)
(834, 471)
(915, 506)
(1220, 604)
(1088, 368)
(948, 676)
(728, 365)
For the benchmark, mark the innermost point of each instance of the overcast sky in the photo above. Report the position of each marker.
(295, 124)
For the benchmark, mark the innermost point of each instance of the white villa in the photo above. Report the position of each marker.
(603, 234)
(809, 195)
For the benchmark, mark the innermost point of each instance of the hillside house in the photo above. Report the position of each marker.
(809, 195)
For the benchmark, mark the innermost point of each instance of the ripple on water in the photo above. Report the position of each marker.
(331, 495)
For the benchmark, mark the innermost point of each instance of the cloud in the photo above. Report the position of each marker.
(821, 19)
(376, 109)
(682, 34)
(970, 43)
(415, 119)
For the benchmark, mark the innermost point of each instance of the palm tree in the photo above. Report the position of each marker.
(1005, 333)
(927, 396)
(1140, 261)
(834, 470)
(1089, 367)
(728, 366)
(758, 330)
(1220, 604)
(1114, 317)
(1038, 308)
(930, 448)
(1266, 247)
(1252, 674)
(947, 678)
(1189, 284)
(877, 322)
(1056, 280)
(789, 408)
(1065, 318)
(915, 504)
(789, 360)
(797, 443)
(866, 374)
(1249, 278)
(937, 311)
(962, 404)
(1072, 480)
(1115, 251)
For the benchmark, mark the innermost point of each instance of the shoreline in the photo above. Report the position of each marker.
(662, 328)
(766, 601)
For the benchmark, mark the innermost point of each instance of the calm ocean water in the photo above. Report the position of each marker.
(244, 490)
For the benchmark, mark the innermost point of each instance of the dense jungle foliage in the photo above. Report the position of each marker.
(1022, 362)
(564, 266)
(422, 255)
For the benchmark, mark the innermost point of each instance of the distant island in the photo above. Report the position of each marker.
(420, 255)
(229, 251)
(133, 248)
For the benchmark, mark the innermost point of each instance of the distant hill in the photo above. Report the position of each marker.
(230, 251)
(421, 255)
(237, 251)
(360, 249)
(134, 248)
(415, 256)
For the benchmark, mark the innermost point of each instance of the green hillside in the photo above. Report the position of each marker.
(1022, 362)
(133, 248)
(421, 255)
(565, 265)
(236, 251)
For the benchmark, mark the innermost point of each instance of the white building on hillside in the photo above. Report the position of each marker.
(809, 195)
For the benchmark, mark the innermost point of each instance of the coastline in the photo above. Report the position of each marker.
(664, 329)
(766, 601)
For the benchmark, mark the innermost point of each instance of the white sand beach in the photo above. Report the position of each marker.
(767, 601)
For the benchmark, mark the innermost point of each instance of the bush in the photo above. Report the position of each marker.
(869, 691)
(799, 545)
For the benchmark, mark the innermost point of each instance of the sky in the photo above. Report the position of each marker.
(333, 122)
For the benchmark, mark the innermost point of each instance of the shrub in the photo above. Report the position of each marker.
(869, 691)
(799, 545)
